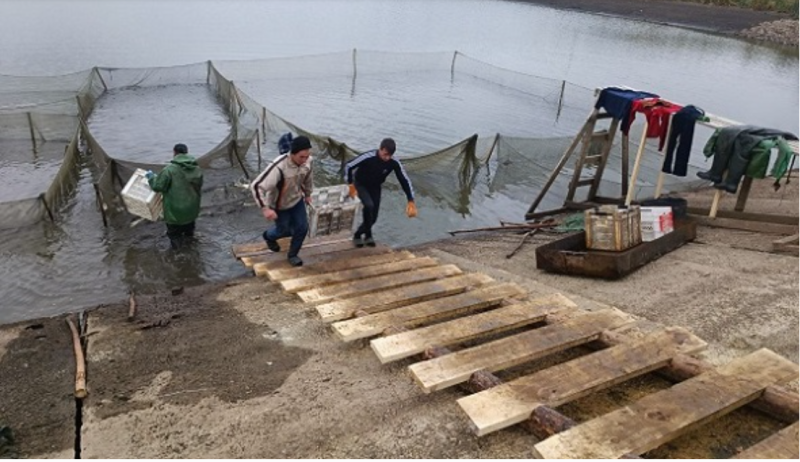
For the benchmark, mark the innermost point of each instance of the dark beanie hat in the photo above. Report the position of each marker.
(180, 148)
(301, 143)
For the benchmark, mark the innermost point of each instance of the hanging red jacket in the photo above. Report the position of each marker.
(657, 112)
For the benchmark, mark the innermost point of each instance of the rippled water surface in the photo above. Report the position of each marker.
(51, 268)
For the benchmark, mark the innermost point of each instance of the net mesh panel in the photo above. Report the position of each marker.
(58, 109)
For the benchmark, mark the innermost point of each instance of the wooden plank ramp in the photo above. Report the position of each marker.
(340, 262)
(401, 296)
(426, 312)
(514, 402)
(306, 251)
(782, 445)
(355, 274)
(452, 369)
(372, 291)
(365, 286)
(661, 417)
(406, 344)
(259, 247)
(264, 266)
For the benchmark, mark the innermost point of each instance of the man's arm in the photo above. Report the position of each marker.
(404, 180)
(351, 166)
(265, 187)
(161, 182)
(308, 182)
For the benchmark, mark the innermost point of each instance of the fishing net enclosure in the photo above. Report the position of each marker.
(470, 134)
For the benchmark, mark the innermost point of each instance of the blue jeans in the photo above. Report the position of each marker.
(290, 222)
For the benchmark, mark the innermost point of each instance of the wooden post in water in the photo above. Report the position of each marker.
(33, 134)
(258, 145)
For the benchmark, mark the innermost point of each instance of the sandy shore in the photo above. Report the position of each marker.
(765, 26)
(242, 369)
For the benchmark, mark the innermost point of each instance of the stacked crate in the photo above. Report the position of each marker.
(612, 227)
(332, 211)
(139, 199)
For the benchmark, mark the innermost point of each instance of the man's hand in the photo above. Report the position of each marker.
(308, 200)
(353, 193)
(149, 174)
(269, 214)
(411, 209)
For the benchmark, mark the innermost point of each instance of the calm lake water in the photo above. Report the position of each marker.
(48, 269)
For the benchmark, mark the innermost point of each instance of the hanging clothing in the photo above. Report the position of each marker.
(759, 159)
(657, 112)
(617, 102)
(732, 149)
(680, 137)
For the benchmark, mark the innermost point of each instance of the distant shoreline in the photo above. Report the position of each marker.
(707, 18)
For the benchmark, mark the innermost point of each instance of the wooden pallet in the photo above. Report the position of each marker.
(411, 306)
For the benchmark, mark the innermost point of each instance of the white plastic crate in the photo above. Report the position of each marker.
(332, 211)
(140, 200)
(656, 222)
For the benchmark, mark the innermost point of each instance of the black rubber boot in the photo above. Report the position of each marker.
(295, 261)
(708, 176)
(731, 188)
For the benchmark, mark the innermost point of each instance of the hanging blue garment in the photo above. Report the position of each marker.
(617, 102)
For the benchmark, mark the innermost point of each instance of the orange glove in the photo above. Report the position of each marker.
(353, 193)
(411, 209)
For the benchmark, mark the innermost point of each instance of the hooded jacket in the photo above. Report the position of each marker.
(180, 183)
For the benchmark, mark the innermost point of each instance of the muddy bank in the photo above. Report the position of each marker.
(37, 374)
(765, 26)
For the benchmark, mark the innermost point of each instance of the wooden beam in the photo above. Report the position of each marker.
(356, 274)
(514, 402)
(343, 262)
(268, 257)
(410, 343)
(508, 352)
(401, 296)
(777, 402)
(746, 225)
(421, 313)
(365, 286)
(747, 216)
(263, 268)
(661, 417)
(782, 445)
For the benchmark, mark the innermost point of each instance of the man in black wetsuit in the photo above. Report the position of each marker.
(365, 175)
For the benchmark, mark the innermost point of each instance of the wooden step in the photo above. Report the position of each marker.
(421, 313)
(586, 182)
(328, 247)
(513, 402)
(365, 286)
(407, 344)
(782, 445)
(344, 262)
(263, 268)
(401, 296)
(661, 417)
(356, 274)
(260, 247)
(455, 368)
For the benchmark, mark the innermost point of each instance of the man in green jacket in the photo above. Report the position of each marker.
(180, 183)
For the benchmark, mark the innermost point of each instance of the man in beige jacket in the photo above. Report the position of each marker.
(282, 191)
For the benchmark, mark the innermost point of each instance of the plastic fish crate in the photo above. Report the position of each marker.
(140, 200)
(332, 211)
